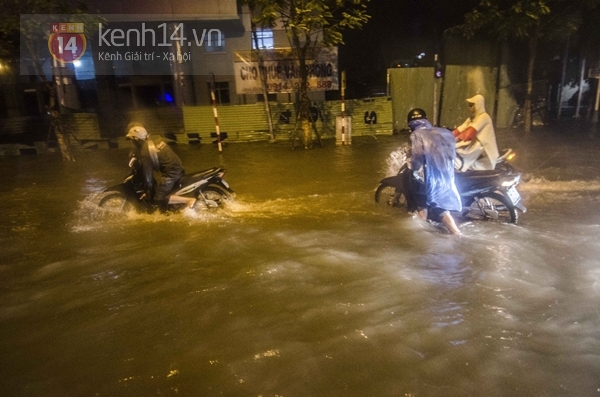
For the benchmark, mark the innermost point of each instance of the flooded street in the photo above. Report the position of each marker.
(301, 287)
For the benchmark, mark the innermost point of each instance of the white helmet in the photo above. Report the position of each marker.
(137, 132)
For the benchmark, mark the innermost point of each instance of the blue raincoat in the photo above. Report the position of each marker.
(435, 149)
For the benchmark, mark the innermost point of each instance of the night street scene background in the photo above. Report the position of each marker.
(303, 285)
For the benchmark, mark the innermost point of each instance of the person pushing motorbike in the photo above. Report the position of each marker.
(433, 154)
(157, 157)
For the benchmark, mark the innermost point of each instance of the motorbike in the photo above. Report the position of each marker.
(485, 195)
(208, 188)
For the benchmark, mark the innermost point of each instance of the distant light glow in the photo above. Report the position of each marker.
(168, 98)
(77, 64)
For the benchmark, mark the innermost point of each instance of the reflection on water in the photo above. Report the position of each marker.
(300, 287)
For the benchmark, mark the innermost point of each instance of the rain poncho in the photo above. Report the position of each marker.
(484, 143)
(165, 161)
(434, 149)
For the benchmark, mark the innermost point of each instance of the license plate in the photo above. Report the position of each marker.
(514, 195)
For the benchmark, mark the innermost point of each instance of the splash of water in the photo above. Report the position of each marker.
(396, 160)
(90, 216)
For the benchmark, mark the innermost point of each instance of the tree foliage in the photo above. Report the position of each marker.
(521, 19)
(35, 31)
(309, 24)
(529, 21)
(31, 35)
(588, 34)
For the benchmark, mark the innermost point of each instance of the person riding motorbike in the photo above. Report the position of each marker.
(432, 187)
(157, 157)
(476, 139)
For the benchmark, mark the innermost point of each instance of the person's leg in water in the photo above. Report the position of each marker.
(165, 187)
(448, 221)
(416, 199)
(446, 218)
(189, 202)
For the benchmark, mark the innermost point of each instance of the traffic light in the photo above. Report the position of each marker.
(439, 70)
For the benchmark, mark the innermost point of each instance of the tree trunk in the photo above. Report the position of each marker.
(53, 105)
(304, 105)
(529, 92)
(304, 115)
(263, 78)
(63, 143)
(562, 80)
(56, 123)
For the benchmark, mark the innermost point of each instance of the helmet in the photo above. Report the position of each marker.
(137, 132)
(415, 114)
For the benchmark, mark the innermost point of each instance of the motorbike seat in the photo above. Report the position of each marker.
(188, 179)
(481, 174)
(465, 180)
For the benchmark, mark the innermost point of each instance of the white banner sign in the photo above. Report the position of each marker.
(283, 71)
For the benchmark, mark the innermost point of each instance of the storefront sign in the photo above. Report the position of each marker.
(282, 69)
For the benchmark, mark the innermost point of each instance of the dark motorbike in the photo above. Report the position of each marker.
(208, 187)
(485, 195)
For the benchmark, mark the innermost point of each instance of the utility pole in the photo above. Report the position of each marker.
(435, 94)
(594, 73)
(343, 91)
(215, 113)
(580, 95)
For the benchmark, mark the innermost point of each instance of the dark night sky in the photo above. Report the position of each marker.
(398, 29)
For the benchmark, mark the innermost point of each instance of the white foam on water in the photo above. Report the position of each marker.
(540, 185)
(396, 160)
(89, 216)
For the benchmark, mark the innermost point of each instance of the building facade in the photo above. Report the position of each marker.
(146, 56)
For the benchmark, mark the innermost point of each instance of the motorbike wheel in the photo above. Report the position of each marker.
(386, 195)
(115, 202)
(492, 207)
(215, 196)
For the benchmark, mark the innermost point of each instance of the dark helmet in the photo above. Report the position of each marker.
(415, 114)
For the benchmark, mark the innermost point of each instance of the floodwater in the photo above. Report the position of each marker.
(303, 286)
